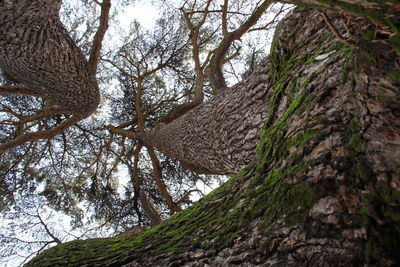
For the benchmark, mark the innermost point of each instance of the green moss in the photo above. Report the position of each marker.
(362, 172)
(356, 138)
(394, 75)
(355, 141)
(283, 201)
(272, 144)
(380, 213)
(394, 40)
(380, 208)
(275, 176)
(354, 126)
(272, 136)
(371, 250)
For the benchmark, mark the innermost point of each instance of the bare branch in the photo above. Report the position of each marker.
(215, 11)
(99, 36)
(18, 90)
(148, 208)
(225, 18)
(335, 32)
(56, 239)
(214, 69)
(47, 134)
(237, 53)
(157, 174)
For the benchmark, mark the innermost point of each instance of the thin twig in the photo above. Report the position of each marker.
(335, 32)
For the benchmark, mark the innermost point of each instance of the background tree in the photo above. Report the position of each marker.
(45, 76)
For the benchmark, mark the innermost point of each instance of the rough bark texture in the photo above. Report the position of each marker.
(36, 50)
(218, 136)
(324, 189)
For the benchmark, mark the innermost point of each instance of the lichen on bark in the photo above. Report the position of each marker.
(323, 187)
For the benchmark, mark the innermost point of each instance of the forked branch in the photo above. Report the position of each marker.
(214, 69)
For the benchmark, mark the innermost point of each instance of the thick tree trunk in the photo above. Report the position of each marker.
(324, 187)
(37, 51)
(218, 136)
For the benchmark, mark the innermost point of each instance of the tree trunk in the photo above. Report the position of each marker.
(322, 188)
(218, 136)
(37, 51)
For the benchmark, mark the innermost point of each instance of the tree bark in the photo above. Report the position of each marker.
(218, 136)
(323, 187)
(37, 51)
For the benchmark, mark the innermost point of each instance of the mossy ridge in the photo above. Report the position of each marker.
(299, 94)
(78, 253)
(174, 234)
(218, 227)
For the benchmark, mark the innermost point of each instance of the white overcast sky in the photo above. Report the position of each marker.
(145, 13)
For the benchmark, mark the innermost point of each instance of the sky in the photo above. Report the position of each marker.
(143, 12)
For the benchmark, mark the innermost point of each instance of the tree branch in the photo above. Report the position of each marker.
(18, 90)
(47, 134)
(335, 31)
(157, 174)
(179, 110)
(148, 208)
(56, 239)
(99, 36)
(214, 69)
(225, 18)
